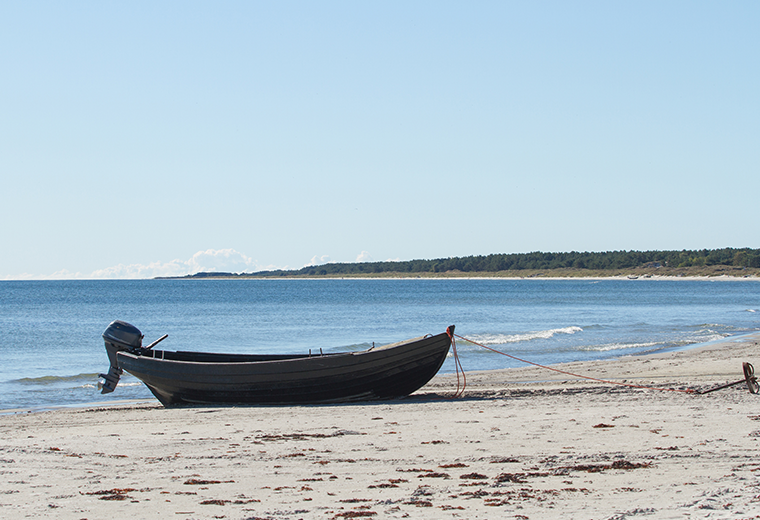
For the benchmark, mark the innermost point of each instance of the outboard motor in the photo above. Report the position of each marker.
(119, 335)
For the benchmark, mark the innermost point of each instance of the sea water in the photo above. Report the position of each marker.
(51, 349)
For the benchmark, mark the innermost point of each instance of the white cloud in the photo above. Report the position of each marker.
(223, 260)
(364, 256)
(63, 274)
(211, 260)
(318, 260)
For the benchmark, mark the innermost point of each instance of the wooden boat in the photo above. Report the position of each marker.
(180, 378)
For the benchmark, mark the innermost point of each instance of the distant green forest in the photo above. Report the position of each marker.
(605, 261)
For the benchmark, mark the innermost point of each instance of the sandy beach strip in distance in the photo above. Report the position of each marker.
(522, 443)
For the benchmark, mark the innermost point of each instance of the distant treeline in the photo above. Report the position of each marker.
(610, 260)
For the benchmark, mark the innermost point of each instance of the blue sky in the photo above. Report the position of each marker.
(140, 139)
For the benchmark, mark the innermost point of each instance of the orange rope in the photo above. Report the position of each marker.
(687, 391)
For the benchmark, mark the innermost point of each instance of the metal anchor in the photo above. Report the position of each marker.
(749, 378)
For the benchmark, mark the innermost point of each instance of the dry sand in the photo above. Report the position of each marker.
(511, 448)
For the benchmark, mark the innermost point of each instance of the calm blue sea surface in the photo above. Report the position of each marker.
(51, 348)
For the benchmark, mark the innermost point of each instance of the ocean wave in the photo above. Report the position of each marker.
(502, 339)
(53, 380)
(707, 337)
(617, 346)
(713, 326)
(84, 381)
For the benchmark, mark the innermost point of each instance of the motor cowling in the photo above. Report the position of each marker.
(123, 334)
(119, 336)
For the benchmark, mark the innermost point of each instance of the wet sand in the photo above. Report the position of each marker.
(521, 443)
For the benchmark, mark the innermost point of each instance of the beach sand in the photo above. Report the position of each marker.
(521, 443)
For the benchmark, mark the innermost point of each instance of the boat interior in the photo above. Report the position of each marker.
(211, 357)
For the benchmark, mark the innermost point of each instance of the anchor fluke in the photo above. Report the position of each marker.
(749, 377)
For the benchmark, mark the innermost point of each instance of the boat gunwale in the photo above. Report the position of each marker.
(384, 349)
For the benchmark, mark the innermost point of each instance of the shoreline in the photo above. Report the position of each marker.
(513, 447)
(501, 275)
(76, 406)
(718, 271)
(708, 363)
(479, 276)
(515, 372)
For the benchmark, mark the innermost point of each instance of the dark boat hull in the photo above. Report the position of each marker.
(387, 372)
